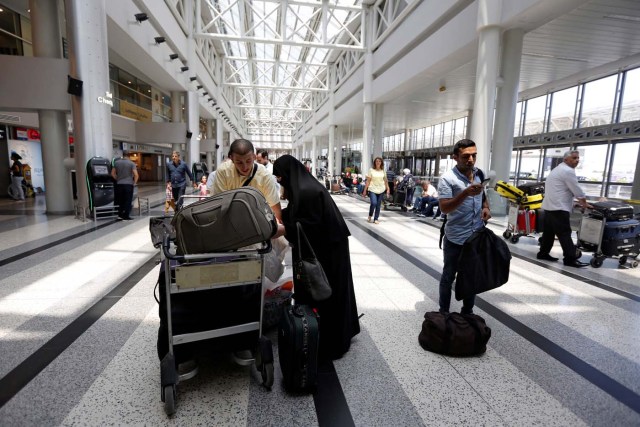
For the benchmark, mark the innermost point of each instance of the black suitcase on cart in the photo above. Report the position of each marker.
(612, 210)
(621, 238)
(532, 188)
(298, 340)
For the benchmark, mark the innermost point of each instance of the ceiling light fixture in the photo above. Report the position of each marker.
(206, 93)
(174, 56)
(183, 69)
(198, 87)
(192, 78)
(159, 39)
(140, 17)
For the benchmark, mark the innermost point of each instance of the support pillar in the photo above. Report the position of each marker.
(367, 137)
(220, 142)
(489, 16)
(332, 151)
(47, 42)
(193, 126)
(314, 155)
(506, 102)
(176, 116)
(209, 136)
(89, 62)
(379, 131)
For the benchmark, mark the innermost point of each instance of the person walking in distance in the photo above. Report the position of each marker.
(561, 187)
(16, 177)
(126, 175)
(376, 187)
(461, 197)
(177, 172)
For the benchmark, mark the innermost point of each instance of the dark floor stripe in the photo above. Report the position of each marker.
(21, 375)
(607, 384)
(331, 404)
(49, 245)
(587, 280)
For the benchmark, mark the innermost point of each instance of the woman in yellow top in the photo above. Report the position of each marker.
(376, 186)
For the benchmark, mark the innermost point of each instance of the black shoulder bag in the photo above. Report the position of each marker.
(255, 169)
(308, 272)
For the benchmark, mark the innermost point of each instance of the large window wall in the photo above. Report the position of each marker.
(606, 169)
(439, 135)
(593, 103)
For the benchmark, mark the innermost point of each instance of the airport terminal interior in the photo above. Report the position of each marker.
(335, 83)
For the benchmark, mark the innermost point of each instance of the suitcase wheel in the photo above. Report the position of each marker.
(623, 260)
(596, 262)
(515, 238)
(169, 399)
(506, 234)
(264, 361)
(267, 375)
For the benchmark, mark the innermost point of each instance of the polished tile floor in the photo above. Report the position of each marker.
(78, 328)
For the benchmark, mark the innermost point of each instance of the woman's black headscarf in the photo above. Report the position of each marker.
(309, 201)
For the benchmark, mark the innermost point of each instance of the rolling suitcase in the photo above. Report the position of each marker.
(298, 341)
(509, 191)
(531, 202)
(532, 188)
(611, 210)
(527, 227)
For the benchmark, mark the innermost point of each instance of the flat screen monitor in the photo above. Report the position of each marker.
(100, 170)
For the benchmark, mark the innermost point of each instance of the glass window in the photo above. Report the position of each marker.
(623, 166)
(10, 24)
(514, 165)
(460, 129)
(529, 165)
(590, 170)
(623, 169)
(631, 98)
(428, 137)
(437, 135)
(516, 125)
(597, 101)
(447, 134)
(563, 106)
(534, 119)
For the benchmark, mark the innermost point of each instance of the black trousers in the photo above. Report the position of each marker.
(123, 197)
(556, 223)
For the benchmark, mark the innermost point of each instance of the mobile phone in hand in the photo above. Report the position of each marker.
(486, 181)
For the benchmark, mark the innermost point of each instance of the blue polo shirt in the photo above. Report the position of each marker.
(467, 218)
(177, 173)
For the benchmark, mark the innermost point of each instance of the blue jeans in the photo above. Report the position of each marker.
(451, 254)
(376, 201)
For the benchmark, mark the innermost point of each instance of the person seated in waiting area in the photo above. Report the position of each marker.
(423, 206)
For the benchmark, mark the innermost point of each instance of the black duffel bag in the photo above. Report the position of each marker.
(454, 334)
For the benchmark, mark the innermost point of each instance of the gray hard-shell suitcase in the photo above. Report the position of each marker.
(224, 222)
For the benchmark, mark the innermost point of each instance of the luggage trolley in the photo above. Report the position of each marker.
(606, 238)
(240, 271)
(520, 222)
(396, 200)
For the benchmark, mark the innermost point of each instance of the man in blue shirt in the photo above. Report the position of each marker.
(460, 193)
(177, 172)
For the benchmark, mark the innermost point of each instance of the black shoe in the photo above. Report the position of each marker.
(546, 257)
(127, 219)
(576, 263)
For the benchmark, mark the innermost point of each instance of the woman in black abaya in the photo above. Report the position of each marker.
(311, 205)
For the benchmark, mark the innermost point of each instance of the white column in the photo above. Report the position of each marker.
(220, 142)
(47, 42)
(314, 155)
(367, 137)
(379, 131)
(209, 136)
(506, 102)
(635, 188)
(193, 125)
(338, 154)
(489, 15)
(176, 115)
(332, 151)
(89, 62)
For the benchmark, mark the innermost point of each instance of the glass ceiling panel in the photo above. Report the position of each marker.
(245, 37)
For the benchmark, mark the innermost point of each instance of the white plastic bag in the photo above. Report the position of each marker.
(274, 260)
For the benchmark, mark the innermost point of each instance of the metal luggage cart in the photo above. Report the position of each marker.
(514, 231)
(590, 235)
(214, 271)
(396, 200)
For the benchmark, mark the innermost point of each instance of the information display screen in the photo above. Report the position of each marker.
(100, 170)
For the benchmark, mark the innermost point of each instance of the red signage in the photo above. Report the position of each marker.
(33, 135)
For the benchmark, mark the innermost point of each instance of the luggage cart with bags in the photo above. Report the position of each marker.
(396, 200)
(214, 300)
(524, 207)
(609, 230)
